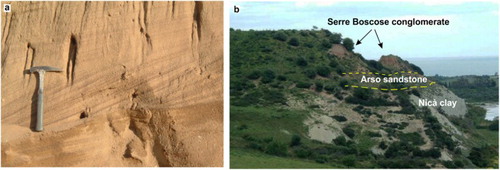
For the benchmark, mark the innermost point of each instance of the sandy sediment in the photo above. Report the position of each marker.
(141, 84)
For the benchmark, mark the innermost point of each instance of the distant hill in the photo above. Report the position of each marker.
(291, 96)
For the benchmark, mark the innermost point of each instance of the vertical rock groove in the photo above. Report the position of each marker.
(198, 7)
(72, 52)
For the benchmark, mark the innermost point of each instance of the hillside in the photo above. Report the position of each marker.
(135, 77)
(296, 97)
(472, 88)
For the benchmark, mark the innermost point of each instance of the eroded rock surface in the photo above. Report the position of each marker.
(141, 84)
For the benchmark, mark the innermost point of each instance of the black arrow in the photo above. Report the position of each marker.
(359, 41)
(381, 44)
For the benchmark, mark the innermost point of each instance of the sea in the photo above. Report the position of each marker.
(458, 66)
(491, 111)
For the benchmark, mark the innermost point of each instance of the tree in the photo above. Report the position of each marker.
(348, 44)
(280, 36)
(336, 38)
(294, 41)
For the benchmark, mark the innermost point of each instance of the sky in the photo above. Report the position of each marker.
(473, 29)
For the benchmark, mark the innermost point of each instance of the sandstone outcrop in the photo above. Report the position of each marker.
(141, 84)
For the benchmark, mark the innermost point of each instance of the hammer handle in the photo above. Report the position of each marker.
(39, 114)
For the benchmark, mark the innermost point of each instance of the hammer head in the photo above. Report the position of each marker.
(44, 68)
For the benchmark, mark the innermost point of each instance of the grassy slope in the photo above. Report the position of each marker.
(258, 121)
(248, 159)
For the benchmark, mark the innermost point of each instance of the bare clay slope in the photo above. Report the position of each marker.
(141, 84)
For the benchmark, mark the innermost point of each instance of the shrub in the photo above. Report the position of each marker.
(333, 63)
(349, 160)
(382, 145)
(242, 127)
(375, 64)
(335, 38)
(294, 41)
(240, 84)
(304, 33)
(281, 78)
(321, 159)
(433, 153)
(295, 140)
(309, 45)
(458, 163)
(348, 44)
(339, 95)
(339, 118)
(340, 140)
(271, 96)
(415, 92)
(494, 126)
(303, 153)
(304, 85)
(310, 73)
(412, 138)
(483, 156)
(267, 76)
(255, 145)
(323, 71)
(326, 44)
(343, 82)
(247, 137)
(374, 134)
(301, 62)
(349, 131)
(280, 36)
(331, 88)
(319, 86)
(266, 80)
(340, 69)
(276, 148)
(254, 75)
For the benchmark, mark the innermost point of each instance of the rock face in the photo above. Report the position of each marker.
(141, 84)
(395, 63)
(440, 93)
(338, 50)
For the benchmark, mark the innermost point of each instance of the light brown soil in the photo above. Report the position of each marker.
(141, 84)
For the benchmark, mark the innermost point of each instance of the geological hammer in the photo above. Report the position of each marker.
(41, 72)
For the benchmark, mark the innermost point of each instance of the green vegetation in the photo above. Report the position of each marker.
(472, 88)
(485, 156)
(248, 159)
(281, 79)
(348, 44)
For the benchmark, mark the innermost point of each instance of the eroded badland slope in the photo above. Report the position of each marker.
(141, 84)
